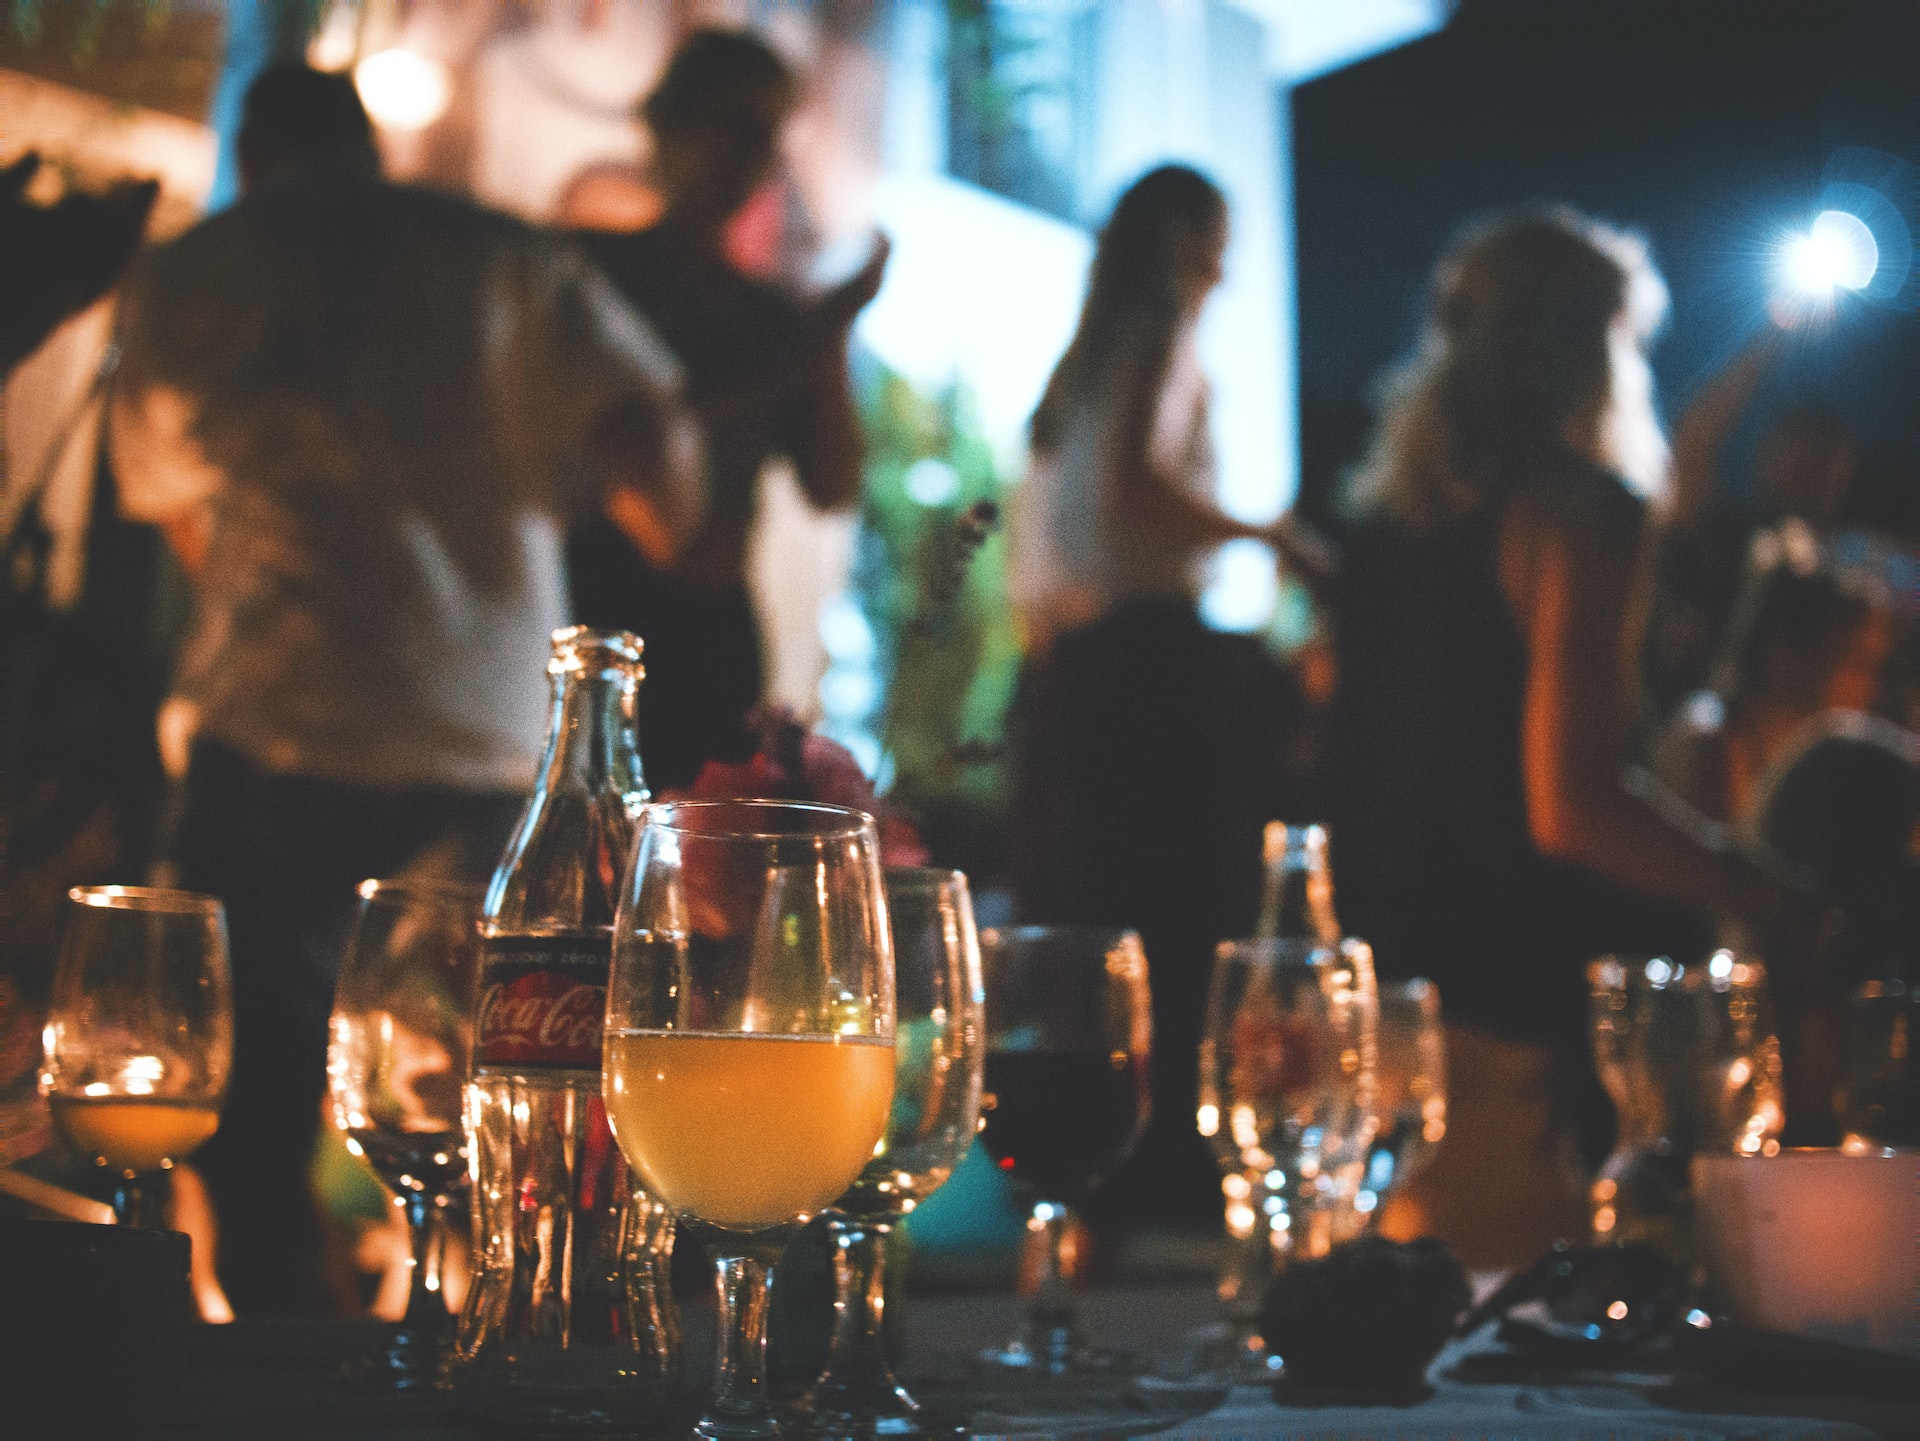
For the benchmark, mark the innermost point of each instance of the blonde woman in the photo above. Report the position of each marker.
(1485, 830)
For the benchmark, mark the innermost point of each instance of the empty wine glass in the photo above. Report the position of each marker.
(938, 1039)
(1410, 1096)
(1689, 1055)
(1069, 1040)
(1880, 1082)
(397, 1062)
(139, 1036)
(749, 1055)
(1286, 1099)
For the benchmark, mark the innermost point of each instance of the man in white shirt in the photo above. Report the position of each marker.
(365, 415)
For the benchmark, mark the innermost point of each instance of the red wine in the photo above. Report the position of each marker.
(1060, 1121)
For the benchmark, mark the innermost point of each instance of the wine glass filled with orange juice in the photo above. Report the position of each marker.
(139, 1036)
(748, 1064)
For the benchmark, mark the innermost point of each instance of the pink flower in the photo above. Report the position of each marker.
(795, 765)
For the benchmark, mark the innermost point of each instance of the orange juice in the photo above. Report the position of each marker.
(135, 1133)
(747, 1131)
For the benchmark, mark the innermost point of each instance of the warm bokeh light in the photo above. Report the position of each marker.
(403, 89)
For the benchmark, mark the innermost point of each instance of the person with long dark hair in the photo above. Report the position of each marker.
(1149, 749)
(1486, 831)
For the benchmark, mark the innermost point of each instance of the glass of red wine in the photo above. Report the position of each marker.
(1069, 1038)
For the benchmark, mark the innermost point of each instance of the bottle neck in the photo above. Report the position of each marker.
(1298, 899)
(593, 732)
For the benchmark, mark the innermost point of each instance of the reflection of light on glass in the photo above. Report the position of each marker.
(1208, 1119)
(1699, 1319)
(1618, 1311)
(403, 89)
(1771, 1148)
(1246, 1127)
(96, 1088)
(138, 1075)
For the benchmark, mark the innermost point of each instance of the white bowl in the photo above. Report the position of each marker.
(1815, 1243)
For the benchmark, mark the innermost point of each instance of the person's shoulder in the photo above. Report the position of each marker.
(1573, 499)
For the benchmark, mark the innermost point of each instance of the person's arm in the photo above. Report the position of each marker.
(1188, 520)
(1569, 568)
(598, 378)
(828, 448)
(1700, 435)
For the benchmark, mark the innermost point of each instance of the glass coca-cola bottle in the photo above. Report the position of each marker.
(569, 1321)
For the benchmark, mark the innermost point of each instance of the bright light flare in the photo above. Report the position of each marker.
(1837, 253)
(403, 89)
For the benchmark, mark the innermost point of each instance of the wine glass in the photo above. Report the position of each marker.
(1410, 1095)
(938, 1039)
(1069, 1039)
(749, 1049)
(1880, 1081)
(139, 1036)
(1287, 1063)
(398, 1057)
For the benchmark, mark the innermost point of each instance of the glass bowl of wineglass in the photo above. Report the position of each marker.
(939, 1033)
(1069, 1041)
(139, 1036)
(1410, 1095)
(1287, 1063)
(749, 1058)
(400, 1048)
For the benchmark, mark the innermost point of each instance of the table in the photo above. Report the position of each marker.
(282, 1379)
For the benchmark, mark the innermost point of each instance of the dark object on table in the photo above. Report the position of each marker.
(1367, 1318)
(1769, 1361)
(1605, 1296)
(93, 1322)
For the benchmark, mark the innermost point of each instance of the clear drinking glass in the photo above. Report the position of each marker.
(139, 1036)
(1286, 1096)
(397, 1063)
(1069, 1040)
(749, 1047)
(1410, 1097)
(1689, 1055)
(1880, 1081)
(939, 1040)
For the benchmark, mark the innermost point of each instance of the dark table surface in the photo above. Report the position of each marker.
(273, 1379)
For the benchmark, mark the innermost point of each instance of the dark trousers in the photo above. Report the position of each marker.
(1149, 755)
(285, 854)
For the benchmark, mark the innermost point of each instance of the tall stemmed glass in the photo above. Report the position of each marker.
(1069, 1040)
(1286, 1095)
(749, 1051)
(938, 1049)
(1410, 1095)
(397, 1062)
(139, 1037)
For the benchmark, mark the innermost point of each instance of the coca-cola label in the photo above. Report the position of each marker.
(543, 1000)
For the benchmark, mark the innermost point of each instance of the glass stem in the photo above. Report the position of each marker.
(426, 1305)
(860, 1302)
(1050, 1269)
(740, 1361)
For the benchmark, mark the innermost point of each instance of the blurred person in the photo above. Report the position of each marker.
(1485, 830)
(1804, 643)
(364, 415)
(1149, 750)
(1804, 470)
(766, 374)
